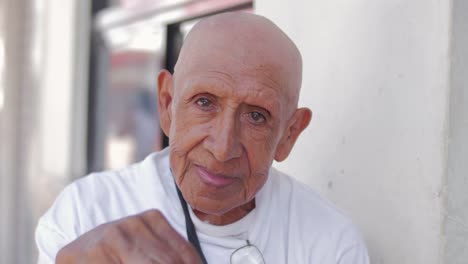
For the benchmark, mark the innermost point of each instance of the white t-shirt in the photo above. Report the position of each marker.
(290, 224)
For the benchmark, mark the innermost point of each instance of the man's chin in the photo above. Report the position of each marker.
(221, 214)
(210, 209)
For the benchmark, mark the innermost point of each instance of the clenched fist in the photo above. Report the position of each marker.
(143, 238)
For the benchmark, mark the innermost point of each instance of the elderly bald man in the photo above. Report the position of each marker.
(229, 110)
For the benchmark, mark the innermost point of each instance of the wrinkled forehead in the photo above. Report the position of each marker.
(233, 65)
(233, 50)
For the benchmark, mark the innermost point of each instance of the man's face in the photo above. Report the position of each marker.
(229, 110)
(225, 127)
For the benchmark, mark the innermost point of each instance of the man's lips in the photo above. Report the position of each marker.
(213, 179)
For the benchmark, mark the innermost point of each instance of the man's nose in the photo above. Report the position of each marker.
(224, 139)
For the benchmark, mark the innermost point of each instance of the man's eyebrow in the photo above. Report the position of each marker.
(261, 108)
(195, 95)
(268, 105)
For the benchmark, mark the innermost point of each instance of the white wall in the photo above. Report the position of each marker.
(376, 75)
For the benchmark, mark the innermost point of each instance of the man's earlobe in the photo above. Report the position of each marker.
(165, 93)
(299, 121)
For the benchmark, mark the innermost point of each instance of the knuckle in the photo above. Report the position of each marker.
(111, 231)
(134, 225)
(94, 251)
(111, 236)
(153, 214)
(157, 221)
(115, 238)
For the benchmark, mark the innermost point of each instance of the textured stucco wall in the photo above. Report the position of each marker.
(376, 75)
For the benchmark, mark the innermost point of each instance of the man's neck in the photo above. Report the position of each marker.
(228, 218)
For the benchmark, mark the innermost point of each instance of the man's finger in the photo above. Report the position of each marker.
(161, 228)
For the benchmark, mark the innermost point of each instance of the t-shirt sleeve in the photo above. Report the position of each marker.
(49, 241)
(356, 254)
(355, 251)
(57, 227)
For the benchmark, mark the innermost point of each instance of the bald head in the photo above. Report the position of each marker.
(250, 41)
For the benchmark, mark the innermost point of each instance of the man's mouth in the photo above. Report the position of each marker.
(216, 180)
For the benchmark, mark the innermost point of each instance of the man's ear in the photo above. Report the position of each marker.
(298, 122)
(165, 94)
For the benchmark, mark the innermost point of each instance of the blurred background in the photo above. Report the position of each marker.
(386, 81)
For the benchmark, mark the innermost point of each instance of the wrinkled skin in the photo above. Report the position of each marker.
(143, 238)
(229, 110)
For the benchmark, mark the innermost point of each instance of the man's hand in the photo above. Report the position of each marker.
(143, 238)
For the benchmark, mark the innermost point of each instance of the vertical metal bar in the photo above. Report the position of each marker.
(22, 41)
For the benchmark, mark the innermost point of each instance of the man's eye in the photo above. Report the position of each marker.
(257, 117)
(203, 102)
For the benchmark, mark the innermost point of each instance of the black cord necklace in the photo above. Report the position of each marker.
(190, 227)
